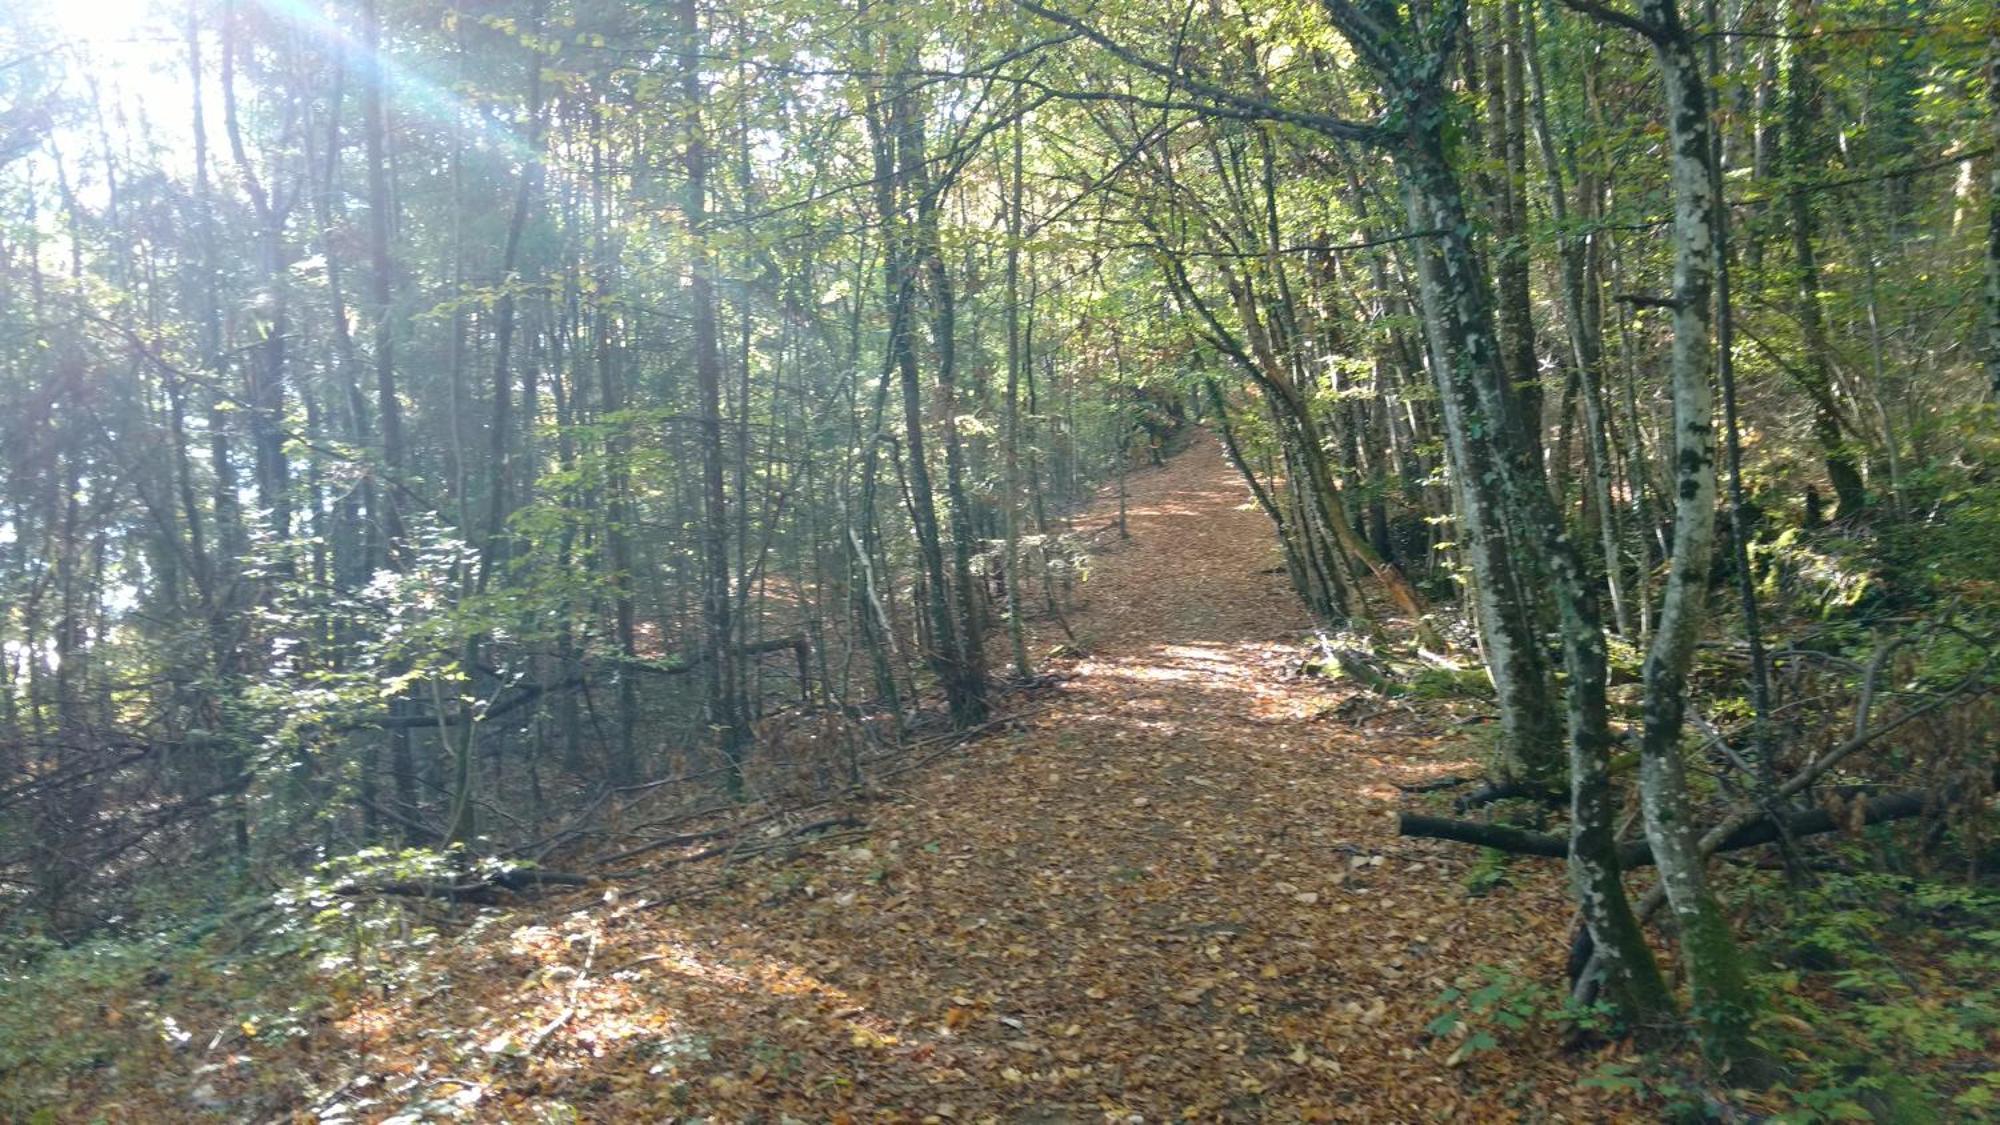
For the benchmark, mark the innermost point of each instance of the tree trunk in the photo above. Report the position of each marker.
(1586, 339)
(725, 710)
(1815, 376)
(265, 374)
(1722, 1000)
(1472, 381)
(1016, 633)
(1993, 221)
(969, 706)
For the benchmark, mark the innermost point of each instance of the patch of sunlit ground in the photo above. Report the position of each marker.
(1162, 511)
(603, 987)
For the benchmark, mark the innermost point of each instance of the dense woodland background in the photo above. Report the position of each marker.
(451, 447)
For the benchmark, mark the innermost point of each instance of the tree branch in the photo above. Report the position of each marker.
(1610, 15)
(1223, 102)
(1639, 853)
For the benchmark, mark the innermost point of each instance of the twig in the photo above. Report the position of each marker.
(737, 846)
(569, 1010)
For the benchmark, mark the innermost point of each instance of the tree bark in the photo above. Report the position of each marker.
(1722, 1001)
(1472, 383)
(1016, 632)
(898, 125)
(725, 710)
(1815, 376)
(1993, 221)
(1580, 313)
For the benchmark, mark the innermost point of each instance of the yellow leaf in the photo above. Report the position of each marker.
(868, 1037)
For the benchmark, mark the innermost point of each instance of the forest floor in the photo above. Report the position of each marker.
(1166, 890)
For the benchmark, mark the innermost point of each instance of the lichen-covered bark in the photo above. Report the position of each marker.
(1473, 384)
(1530, 724)
(1721, 995)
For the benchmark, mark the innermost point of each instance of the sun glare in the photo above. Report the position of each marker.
(138, 24)
(125, 55)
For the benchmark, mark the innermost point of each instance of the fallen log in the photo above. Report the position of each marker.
(1432, 786)
(479, 888)
(797, 644)
(733, 831)
(682, 665)
(1501, 837)
(1638, 853)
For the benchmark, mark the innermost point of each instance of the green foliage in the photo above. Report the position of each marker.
(1432, 681)
(1829, 575)
(1624, 659)
(263, 969)
(1949, 550)
(1881, 1002)
(1491, 1003)
(1884, 997)
(135, 1002)
(359, 940)
(1488, 872)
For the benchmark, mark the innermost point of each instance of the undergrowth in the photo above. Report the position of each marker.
(1881, 1003)
(194, 992)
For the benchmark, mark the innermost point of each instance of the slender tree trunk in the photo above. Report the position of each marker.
(970, 706)
(231, 539)
(1742, 526)
(1815, 374)
(386, 496)
(625, 766)
(1722, 1001)
(1016, 631)
(1586, 341)
(1993, 221)
(899, 153)
(265, 381)
(719, 629)
(500, 438)
(1507, 142)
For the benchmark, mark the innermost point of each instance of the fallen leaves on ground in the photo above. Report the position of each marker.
(1166, 894)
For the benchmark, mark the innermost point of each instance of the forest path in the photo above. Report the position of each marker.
(1168, 891)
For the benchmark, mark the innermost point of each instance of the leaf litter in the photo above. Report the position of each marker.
(1164, 892)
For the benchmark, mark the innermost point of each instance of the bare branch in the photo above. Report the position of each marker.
(1216, 100)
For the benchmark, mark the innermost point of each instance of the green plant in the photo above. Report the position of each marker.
(1434, 682)
(1858, 1011)
(1488, 871)
(1493, 1002)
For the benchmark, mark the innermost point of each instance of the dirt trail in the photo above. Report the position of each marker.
(1169, 893)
